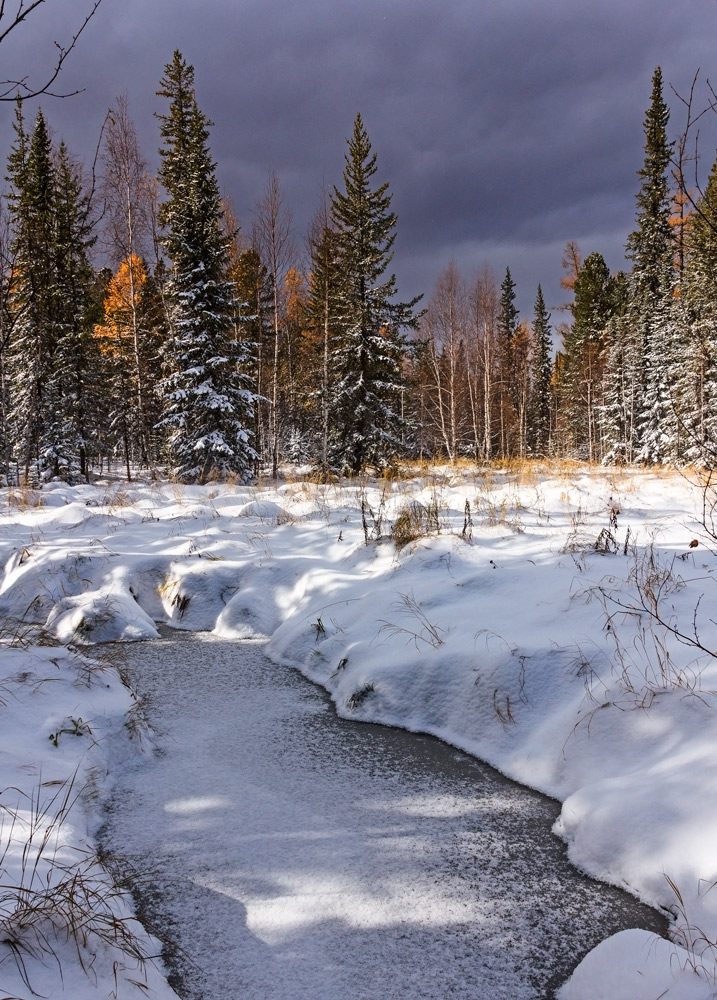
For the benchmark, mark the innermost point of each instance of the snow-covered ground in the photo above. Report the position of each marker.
(531, 628)
(66, 929)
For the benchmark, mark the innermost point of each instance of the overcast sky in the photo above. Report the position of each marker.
(504, 127)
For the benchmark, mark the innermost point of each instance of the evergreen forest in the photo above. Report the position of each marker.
(142, 328)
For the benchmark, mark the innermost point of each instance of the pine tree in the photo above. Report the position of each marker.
(368, 381)
(540, 383)
(298, 372)
(208, 399)
(659, 426)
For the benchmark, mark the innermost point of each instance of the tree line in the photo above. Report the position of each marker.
(209, 351)
(634, 378)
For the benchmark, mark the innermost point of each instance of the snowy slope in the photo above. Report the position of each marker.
(518, 629)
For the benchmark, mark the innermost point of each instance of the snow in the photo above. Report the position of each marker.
(637, 965)
(499, 645)
(58, 709)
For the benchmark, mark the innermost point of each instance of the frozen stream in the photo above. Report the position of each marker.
(298, 856)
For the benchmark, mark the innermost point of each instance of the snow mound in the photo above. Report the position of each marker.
(265, 510)
(100, 617)
(635, 965)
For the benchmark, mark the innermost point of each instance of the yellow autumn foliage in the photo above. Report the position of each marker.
(123, 292)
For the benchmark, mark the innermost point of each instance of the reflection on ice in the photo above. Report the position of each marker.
(200, 804)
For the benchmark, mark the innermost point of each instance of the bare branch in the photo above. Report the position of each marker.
(22, 13)
(690, 137)
(10, 90)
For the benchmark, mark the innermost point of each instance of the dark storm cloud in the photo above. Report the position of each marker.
(505, 127)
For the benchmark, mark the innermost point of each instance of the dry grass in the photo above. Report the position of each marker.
(20, 634)
(652, 650)
(419, 630)
(117, 498)
(496, 506)
(700, 948)
(24, 498)
(416, 520)
(53, 894)
(357, 699)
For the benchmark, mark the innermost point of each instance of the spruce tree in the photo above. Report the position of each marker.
(368, 381)
(541, 377)
(34, 301)
(509, 391)
(6, 270)
(584, 355)
(651, 249)
(77, 367)
(650, 245)
(660, 433)
(53, 363)
(507, 310)
(621, 391)
(208, 401)
(698, 382)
